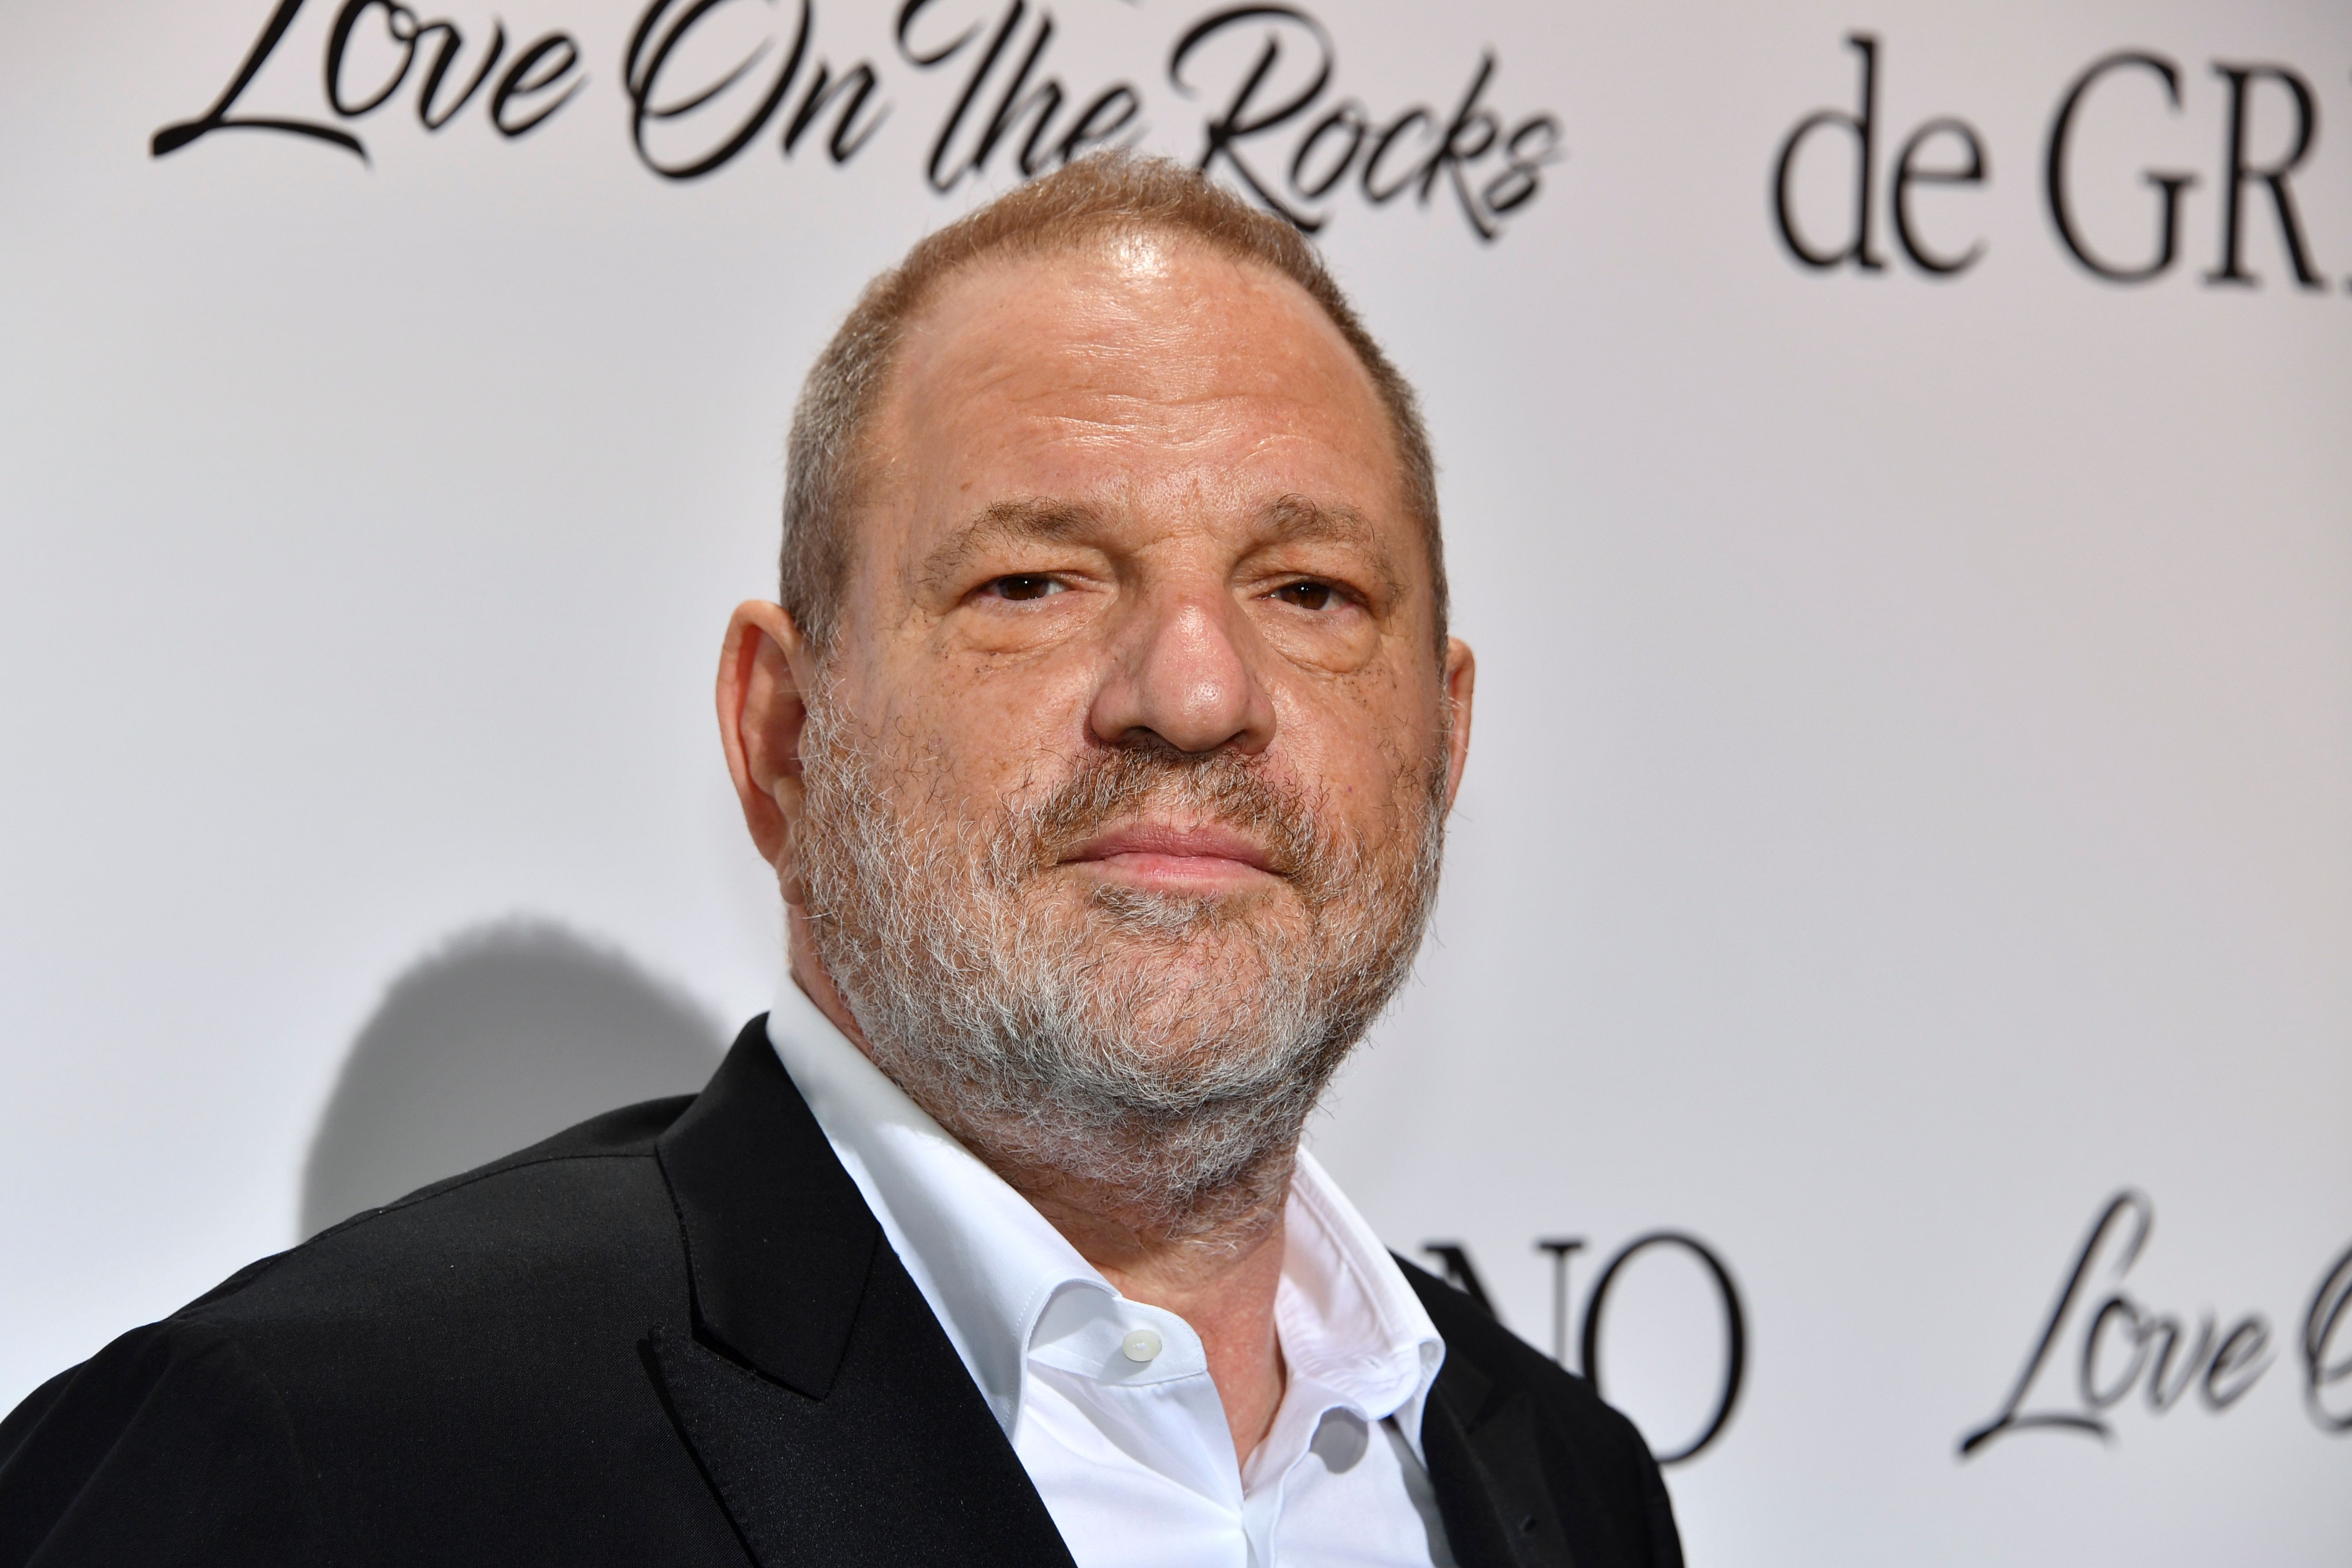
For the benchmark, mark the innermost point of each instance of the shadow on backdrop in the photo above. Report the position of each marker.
(508, 1033)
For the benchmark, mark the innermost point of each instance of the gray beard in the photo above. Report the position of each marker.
(1160, 1051)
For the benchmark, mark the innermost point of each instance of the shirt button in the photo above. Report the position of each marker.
(1140, 1347)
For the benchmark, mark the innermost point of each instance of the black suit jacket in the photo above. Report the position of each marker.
(673, 1336)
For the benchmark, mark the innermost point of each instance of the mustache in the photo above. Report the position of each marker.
(1222, 789)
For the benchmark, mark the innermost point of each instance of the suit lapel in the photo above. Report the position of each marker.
(835, 1422)
(1484, 1467)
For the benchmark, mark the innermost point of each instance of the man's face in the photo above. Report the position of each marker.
(1143, 495)
(1126, 768)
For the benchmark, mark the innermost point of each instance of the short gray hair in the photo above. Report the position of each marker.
(1108, 194)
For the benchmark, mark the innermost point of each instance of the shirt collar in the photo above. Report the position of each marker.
(1353, 1331)
(987, 1262)
(1350, 1323)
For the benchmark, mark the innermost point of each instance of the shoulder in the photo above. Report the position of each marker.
(524, 1233)
(487, 1322)
(168, 1445)
(586, 1198)
(484, 1279)
(399, 1289)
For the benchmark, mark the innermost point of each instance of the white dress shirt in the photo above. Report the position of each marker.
(1108, 1402)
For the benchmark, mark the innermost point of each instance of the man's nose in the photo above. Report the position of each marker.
(1185, 670)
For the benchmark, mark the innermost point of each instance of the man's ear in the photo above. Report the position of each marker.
(762, 710)
(1461, 678)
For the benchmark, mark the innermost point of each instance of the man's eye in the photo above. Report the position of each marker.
(1023, 585)
(1307, 595)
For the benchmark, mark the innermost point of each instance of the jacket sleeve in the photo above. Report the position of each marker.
(168, 1447)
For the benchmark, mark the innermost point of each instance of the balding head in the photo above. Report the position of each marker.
(1101, 203)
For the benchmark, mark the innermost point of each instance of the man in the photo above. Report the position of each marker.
(1102, 744)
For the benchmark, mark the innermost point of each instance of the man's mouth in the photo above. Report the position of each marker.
(1173, 859)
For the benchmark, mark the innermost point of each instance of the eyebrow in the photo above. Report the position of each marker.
(1295, 519)
(1007, 522)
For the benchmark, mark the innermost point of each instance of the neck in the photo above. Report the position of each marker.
(1221, 1282)
(1217, 1270)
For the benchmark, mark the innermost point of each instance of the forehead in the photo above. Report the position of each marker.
(1134, 370)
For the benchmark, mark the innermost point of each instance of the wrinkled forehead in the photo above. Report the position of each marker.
(1132, 370)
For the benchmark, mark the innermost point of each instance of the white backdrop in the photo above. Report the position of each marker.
(1912, 797)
